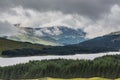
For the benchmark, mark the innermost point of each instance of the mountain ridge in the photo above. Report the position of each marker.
(54, 35)
(106, 43)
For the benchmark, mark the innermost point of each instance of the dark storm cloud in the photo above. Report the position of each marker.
(90, 8)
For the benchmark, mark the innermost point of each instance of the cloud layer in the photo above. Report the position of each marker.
(95, 17)
(7, 29)
(107, 24)
(33, 18)
(90, 8)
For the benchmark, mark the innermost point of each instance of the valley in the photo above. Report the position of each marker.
(6, 44)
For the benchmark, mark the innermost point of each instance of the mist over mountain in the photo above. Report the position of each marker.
(35, 19)
(106, 43)
(57, 25)
(28, 17)
(54, 35)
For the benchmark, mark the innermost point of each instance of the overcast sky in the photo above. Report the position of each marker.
(95, 17)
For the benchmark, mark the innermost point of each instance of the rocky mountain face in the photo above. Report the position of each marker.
(55, 35)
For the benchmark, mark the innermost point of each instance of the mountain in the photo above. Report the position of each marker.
(33, 39)
(27, 34)
(106, 43)
(111, 41)
(64, 35)
(54, 35)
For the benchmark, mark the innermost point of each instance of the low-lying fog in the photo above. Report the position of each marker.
(17, 60)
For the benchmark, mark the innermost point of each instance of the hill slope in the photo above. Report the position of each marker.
(6, 44)
(107, 43)
(110, 41)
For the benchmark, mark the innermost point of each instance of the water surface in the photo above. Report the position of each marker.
(17, 60)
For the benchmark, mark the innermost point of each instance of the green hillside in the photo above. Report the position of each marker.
(48, 78)
(94, 78)
(33, 39)
(6, 44)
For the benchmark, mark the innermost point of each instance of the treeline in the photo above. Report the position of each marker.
(59, 50)
(107, 67)
(21, 52)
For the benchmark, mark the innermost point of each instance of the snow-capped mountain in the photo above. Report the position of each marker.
(54, 35)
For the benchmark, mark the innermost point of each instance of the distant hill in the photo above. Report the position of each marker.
(107, 43)
(6, 44)
(110, 41)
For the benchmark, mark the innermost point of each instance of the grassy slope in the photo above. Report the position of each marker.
(33, 39)
(94, 78)
(6, 44)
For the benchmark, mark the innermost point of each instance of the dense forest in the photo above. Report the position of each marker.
(58, 50)
(107, 67)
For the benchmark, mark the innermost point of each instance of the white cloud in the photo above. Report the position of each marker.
(53, 31)
(109, 22)
(56, 31)
(32, 18)
(7, 29)
(39, 33)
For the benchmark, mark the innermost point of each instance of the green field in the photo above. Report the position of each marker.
(94, 78)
